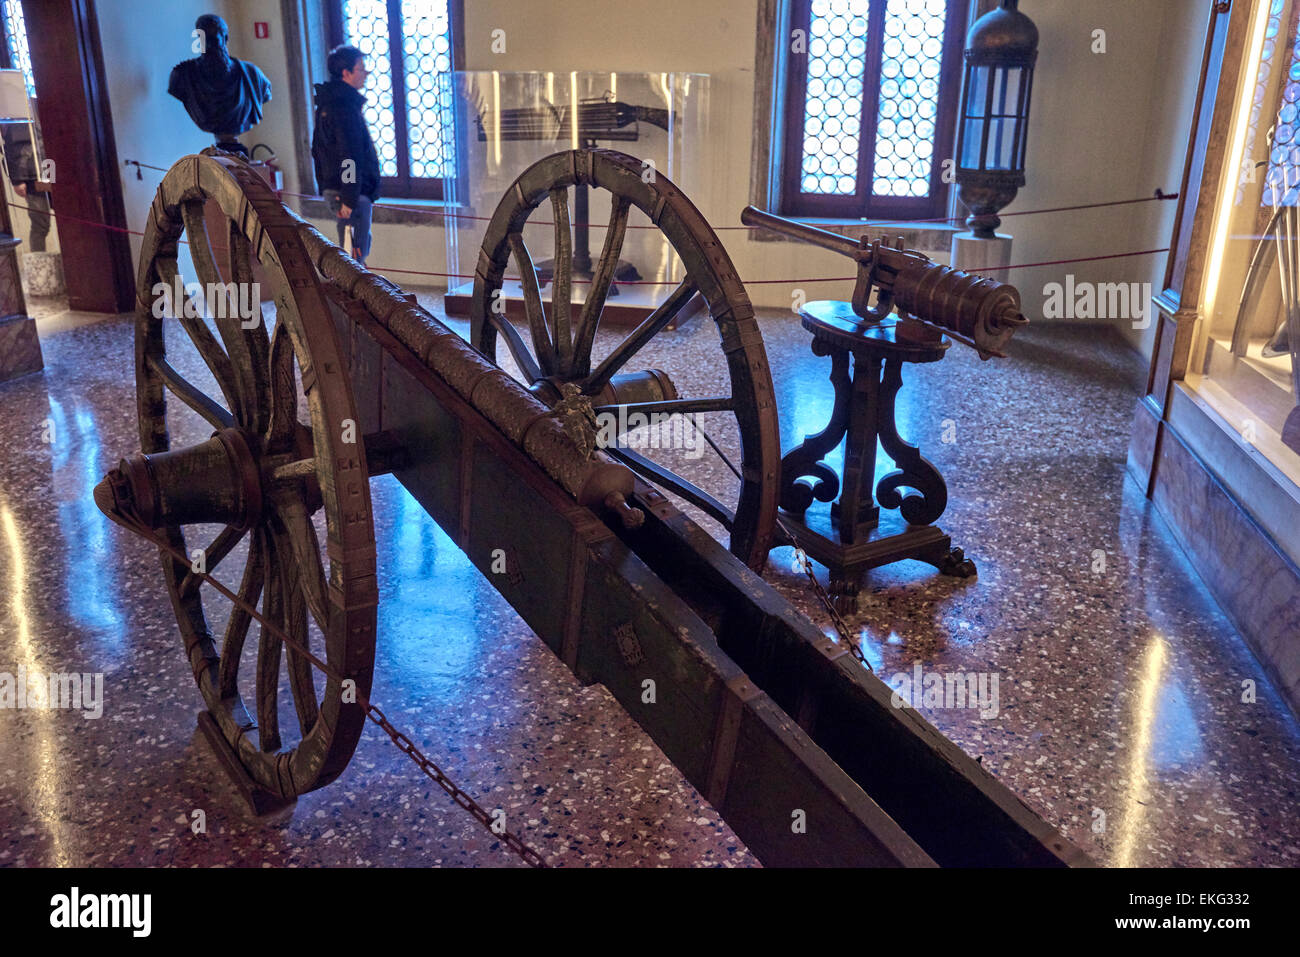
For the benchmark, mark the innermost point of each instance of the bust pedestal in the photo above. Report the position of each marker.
(20, 349)
(989, 257)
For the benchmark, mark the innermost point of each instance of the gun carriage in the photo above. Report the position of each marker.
(759, 710)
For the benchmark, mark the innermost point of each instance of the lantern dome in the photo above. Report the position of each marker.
(1002, 36)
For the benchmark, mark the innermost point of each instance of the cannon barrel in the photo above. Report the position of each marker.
(753, 216)
(590, 476)
(978, 311)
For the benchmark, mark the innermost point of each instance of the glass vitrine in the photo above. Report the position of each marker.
(508, 121)
(1247, 350)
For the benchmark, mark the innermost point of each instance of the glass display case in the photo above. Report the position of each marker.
(1245, 358)
(27, 186)
(508, 121)
(1216, 435)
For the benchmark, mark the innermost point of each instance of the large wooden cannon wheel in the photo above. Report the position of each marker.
(262, 475)
(560, 353)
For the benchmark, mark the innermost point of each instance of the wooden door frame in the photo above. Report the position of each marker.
(68, 66)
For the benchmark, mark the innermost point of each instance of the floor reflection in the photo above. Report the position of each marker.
(1120, 687)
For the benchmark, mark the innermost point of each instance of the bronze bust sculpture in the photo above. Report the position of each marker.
(222, 95)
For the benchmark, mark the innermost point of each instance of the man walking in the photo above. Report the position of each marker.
(347, 166)
(20, 156)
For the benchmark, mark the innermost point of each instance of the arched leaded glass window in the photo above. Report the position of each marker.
(410, 48)
(870, 107)
(17, 55)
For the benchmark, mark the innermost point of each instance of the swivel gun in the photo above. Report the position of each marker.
(981, 313)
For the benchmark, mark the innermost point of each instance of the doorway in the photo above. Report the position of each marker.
(55, 46)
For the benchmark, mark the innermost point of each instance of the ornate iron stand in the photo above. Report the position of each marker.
(852, 536)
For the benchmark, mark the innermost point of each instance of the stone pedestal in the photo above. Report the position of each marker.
(20, 350)
(989, 256)
(43, 274)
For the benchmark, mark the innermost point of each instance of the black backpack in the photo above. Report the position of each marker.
(321, 137)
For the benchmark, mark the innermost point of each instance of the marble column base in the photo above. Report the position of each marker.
(20, 349)
(990, 256)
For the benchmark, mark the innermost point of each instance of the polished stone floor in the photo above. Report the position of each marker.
(1120, 714)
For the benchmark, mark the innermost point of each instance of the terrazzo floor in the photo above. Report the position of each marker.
(1120, 716)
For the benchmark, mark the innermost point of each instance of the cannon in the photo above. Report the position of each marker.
(760, 710)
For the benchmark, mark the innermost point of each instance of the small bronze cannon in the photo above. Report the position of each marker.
(858, 532)
(981, 313)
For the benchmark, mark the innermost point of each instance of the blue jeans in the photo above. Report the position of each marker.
(359, 221)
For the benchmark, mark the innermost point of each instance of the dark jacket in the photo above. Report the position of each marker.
(341, 134)
(20, 155)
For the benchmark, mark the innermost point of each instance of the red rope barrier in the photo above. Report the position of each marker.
(865, 223)
(639, 282)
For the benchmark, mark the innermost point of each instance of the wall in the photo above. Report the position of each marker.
(1182, 44)
(276, 129)
(1104, 126)
(149, 125)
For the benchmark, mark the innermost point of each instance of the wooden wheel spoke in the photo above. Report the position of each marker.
(562, 278)
(715, 403)
(232, 646)
(518, 350)
(227, 313)
(594, 304)
(670, 480)
(256, 338)
(305, 553)
(221, 546)
(541, 333)
(302, 680)
(214, 356)
(650, 327)
(190, 394)
(282, 420)
(268, 651)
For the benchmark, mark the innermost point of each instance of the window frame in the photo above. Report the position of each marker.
(405, 186)
(791, 201)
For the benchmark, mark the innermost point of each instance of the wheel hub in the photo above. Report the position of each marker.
(214, 482)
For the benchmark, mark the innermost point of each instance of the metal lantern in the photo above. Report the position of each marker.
(1001, 48)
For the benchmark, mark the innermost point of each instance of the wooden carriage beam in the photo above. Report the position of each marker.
(707, 658)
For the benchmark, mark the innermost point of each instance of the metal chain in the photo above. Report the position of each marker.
(841, 626)
(440, 778)
(133, 524)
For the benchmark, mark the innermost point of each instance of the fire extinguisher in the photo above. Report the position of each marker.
(271, 170)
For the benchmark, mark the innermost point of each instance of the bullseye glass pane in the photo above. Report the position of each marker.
(365, 26)
(1283, 176)
(911, 58)
(837, 46)
(16, 37)
(426, 55)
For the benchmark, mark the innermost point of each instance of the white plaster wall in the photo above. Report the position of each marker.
(276, 128)
(141, 43)
(1106, 126)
